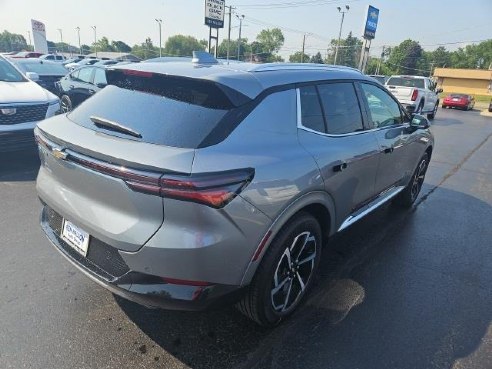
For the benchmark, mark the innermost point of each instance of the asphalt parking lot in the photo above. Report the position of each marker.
(408, 289)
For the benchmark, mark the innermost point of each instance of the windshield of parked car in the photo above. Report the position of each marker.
(43, 68)
(406, 82)
(8, 73)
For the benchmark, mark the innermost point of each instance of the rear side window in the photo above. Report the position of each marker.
(341, 108)
(85, 75)
(311, 114)
(165, 110)
(406, 82)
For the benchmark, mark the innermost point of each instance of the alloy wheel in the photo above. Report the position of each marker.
(418, 179)
(293, 272)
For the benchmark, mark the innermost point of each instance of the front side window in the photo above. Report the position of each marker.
(100, 77)
(341, 108)
(311, 113)
(85, 75)
(383, 110)
(8, 73)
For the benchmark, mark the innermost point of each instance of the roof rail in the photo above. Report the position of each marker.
(298, 66)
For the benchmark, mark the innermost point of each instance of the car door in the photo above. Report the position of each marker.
(82, 86)
(331, 128)
(397, 149)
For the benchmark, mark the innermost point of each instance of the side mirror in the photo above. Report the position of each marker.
(419, 122)
(32, 76)
(101, 85)
(439, 90)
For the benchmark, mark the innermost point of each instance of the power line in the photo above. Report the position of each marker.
(292, 4)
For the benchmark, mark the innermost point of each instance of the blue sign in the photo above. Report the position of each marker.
(371, 22)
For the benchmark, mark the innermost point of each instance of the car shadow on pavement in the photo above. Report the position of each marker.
(19, 167)
(399, 289)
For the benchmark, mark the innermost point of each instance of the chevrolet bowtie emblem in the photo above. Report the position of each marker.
(59, 154)
(8, 111)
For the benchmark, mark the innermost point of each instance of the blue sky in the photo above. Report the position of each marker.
(430, 22)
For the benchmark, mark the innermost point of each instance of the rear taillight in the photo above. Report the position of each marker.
(213, 189)
(414, 94)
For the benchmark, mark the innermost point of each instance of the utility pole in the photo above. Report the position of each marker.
(380, 61)
(431, 68)
(29, 34)
(159, 21)
(95, 39)
(78, 33)
(240, 17)
(231, 8)
(61, 37)
(303, 44)
(340, 33)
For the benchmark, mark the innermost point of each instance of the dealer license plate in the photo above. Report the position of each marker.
(77, 238)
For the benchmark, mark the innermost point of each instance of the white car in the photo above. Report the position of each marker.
(53, 57)
(82, 63)
(23, 103)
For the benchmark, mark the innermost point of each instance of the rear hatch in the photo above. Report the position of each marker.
(403, 87)
(101, 163)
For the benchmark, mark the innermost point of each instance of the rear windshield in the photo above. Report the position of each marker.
(164, 110)
(406, 82)
(458, 95)
(44, 69)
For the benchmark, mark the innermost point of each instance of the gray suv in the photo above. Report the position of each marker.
(189, 184)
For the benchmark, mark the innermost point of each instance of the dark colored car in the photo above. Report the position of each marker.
(490, 106)
(188, 185)
(79, 85)
(49, 72)
(27, 54)
(460, 101)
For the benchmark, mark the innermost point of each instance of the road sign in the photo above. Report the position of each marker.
(371, 23)
(214, 13)
(39, 35)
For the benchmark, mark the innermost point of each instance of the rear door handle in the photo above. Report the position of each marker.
(388, 150)
(71, 87)
(91, 92)
(340, 167)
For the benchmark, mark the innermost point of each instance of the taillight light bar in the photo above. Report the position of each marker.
(415, 93)
(215, 189)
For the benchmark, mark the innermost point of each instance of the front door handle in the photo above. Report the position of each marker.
(71, 87)
(340, 167)
(388, 150)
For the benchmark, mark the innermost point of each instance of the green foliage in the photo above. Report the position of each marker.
(145, 50)
(271, 40)
(298, 57)
(348, 52)
(121, 47)
(180, 45)
(12, 42)
(405, 57)
(317, 58)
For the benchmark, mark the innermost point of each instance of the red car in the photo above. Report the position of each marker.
(27, 54)
(461, 101)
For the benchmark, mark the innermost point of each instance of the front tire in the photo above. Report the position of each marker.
(66, 104)
(408, 196)
(286, 272)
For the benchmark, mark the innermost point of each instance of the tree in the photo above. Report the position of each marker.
(269, 42)
(298, 57)
(348, 51)
(145, 50)
(244, 50)
(405, 57)
(317, 58)
(102, 45)
(12, 42)
(121, 47)
(181, 45)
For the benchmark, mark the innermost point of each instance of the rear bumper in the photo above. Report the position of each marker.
(453, 104)
(410, 107)
(144, 289)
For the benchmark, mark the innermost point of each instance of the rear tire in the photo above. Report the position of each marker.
(286, 272)
(407, 197)
(66, 104)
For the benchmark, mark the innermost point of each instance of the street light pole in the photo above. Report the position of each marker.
(95, 39)
(229, 32)
(61, 37)
(78, 33)
(240, 17)
(159, 21)
(340, 33)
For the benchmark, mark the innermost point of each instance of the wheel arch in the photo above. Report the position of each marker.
(319, 204)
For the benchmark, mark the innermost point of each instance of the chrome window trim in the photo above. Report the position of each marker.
(26, 103)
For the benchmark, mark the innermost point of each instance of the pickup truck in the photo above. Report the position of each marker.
(417, 94)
